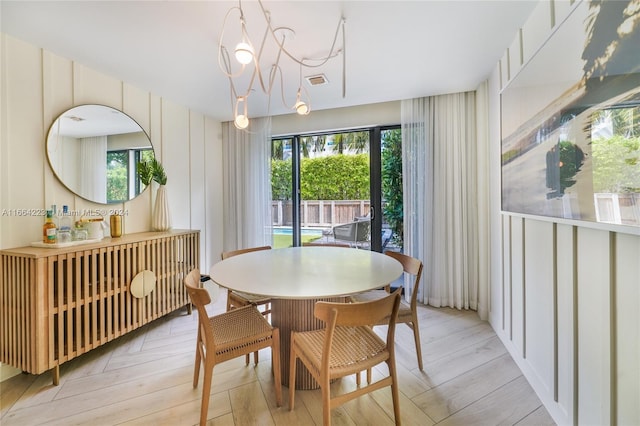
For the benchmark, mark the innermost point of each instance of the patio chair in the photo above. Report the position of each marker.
(227, 336)
(313, 244)
(356, 233)
(347, 345)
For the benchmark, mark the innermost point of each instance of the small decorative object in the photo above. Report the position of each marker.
(49, 230)
(161, 220)
(115, 222)
(80, 231)
(161, 215)
(95, 228)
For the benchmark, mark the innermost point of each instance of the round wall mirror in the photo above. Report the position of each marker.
(94, 151)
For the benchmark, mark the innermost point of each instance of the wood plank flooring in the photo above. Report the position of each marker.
(144, 378)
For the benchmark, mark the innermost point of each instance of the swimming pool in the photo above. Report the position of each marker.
(305, 231)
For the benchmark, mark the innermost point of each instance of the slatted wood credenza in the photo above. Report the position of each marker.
(58, 303)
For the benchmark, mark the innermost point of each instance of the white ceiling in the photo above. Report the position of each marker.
(394, 49)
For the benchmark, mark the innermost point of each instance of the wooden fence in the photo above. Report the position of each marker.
(321, 213)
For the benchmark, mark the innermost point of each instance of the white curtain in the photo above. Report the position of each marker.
(93, 168)
(440, 184)
(247, 185)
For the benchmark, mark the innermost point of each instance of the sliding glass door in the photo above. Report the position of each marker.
(328, 188)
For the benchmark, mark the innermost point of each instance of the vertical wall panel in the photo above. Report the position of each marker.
(57, 95)
(594, 344)
(517, 285)
(213, 193)
(197, 179)
(135, 103)
(536, 29)
(539, 299)
(627, 319)
(515, 55)
(175, 147)
(506, 277)
(565, 256)
(562, 9)
(23, 97)
(92, 87)
(504, 69)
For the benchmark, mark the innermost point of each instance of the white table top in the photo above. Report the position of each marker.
(306, 272)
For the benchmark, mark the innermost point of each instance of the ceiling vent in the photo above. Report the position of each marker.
(317, 80)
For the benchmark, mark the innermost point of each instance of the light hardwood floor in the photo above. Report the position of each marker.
(145, 378)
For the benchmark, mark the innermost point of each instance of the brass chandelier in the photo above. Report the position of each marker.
(249, 58)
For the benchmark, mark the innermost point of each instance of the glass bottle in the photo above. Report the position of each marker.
(64, 226)
(54, 214)
(49, 230)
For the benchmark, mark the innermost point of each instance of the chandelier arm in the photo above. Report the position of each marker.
(257, 70)
(223, 53)
(275, 70)
(332, 54)
(271, 72)
(253, 77)
(227, 64)
(286, 52)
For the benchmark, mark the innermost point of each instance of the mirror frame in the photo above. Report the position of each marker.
(82, 122)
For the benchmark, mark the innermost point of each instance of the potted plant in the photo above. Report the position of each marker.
(153, 170)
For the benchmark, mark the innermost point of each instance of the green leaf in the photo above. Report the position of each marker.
(159, 174)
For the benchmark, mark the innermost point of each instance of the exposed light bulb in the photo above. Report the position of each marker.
(301, 108)
(244, 53)
(241, 122)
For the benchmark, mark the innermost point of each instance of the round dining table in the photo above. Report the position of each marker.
(295, 278)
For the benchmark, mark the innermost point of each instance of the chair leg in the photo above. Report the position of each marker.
(416, 338)
(292, 372)
(206, 390)
(228, 300)
(196, 367)
(326, 403)
(394, 390)
(275, 362)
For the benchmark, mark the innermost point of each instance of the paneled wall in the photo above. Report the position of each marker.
(567, 310)
(37, 86)
(565, 295)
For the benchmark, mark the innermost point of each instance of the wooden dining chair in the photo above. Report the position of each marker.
(347, 345)
(228, 336)
(237, 299)
(407, 313)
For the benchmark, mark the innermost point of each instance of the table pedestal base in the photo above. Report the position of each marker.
(295, 315)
